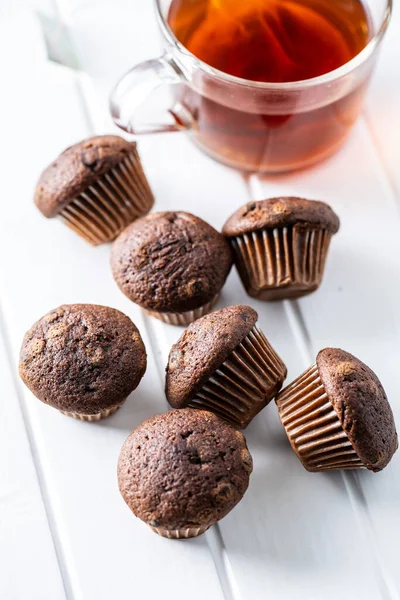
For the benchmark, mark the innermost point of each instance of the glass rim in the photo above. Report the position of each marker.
(341, 71)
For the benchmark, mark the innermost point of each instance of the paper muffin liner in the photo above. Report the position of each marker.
(313, 426)
(179, 534)
(185, 318)
(96, 417)
(245, 383)
(281, 263)
(114, 201)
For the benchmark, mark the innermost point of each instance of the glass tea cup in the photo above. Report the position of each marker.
(251, 125)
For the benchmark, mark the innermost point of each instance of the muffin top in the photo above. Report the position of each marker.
(360, 401)
(184, 468)
(202, 349)
(82, 358)
(78, 167)
(280, 212)
(170, 262)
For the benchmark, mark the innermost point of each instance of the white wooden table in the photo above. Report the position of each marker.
(65, 532)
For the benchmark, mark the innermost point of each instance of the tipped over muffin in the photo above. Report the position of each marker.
(97, 187)
(182, 471)
(224, 363)
(280, 245)
(83, 359)
(172, 264)
(337, 415)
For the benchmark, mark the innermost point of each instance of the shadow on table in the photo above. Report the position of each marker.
(142, 404)
(288, 517)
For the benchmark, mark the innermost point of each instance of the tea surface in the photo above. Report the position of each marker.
(272, 40)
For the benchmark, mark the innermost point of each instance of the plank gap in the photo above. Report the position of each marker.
(222, 564)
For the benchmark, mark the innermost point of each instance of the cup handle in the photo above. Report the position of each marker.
(135, 87)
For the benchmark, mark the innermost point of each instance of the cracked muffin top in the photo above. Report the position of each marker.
(170, 262)
(82, 358)
(78, 167)
(281, 212)
(184, 468)
(360, 401)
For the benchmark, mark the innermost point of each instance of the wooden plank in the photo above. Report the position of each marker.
(22, 8)
(16, 28)
(27, 554)
(383, 102)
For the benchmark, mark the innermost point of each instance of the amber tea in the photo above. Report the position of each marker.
(271, 41)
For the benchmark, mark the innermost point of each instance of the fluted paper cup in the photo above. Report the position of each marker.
(179, 534)
(185, 318)
(313, 426)
(108, 206)
(245, 383)
(96, 417)
(287, 262)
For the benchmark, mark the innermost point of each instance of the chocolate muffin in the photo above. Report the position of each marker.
(172, 264)
(97, 187)
(83, 359)
(183, 471)
(225, 364)
(280, 245)
(337, 415)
